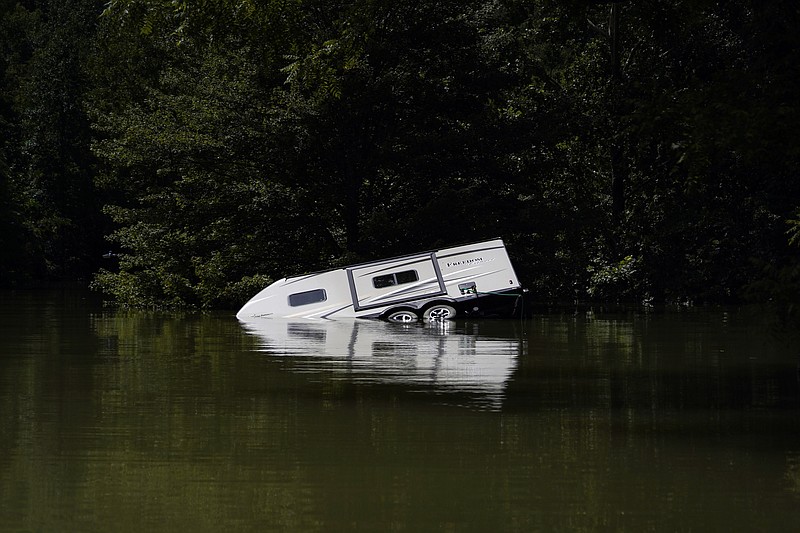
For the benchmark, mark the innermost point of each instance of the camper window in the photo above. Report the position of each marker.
(397, 278)
(307, 297)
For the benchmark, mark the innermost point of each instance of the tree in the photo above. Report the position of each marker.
(639, 150)
(50, 208)
(198, 151)
(386, 110)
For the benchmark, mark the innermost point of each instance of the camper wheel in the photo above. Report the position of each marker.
(439, 312)
(403, 316)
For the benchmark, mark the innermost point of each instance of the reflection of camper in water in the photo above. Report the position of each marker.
(469, 280)
(423, 357)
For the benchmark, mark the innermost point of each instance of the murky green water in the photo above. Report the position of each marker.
(121, 421)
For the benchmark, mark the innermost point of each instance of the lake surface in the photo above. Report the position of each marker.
(567, 421)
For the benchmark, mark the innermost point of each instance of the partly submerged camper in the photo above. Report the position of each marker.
(469, 280)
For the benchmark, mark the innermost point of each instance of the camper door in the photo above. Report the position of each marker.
(394, 281)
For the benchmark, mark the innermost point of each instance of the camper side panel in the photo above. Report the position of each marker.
(383, 283)
(312, 296)
(477, 268)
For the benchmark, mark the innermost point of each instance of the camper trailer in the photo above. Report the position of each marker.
(468, 280)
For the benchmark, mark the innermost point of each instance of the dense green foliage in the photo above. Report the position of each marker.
(624, 150)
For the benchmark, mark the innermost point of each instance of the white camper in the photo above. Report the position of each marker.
(469, 280)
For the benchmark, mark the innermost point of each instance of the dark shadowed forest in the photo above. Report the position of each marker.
(183, 153)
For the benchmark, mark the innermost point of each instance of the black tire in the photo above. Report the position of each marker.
(439, 312)
(402, 316)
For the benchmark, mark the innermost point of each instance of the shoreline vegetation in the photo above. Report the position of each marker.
(175, 154)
